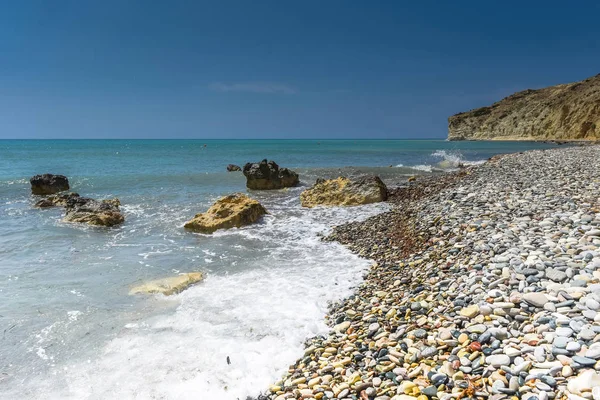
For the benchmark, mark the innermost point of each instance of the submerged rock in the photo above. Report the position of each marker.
(345, 192)
(93, 212)
(231, 211)
(48, 184)
(56, 200)
(233, 167)
(267, 176)
(168, 286)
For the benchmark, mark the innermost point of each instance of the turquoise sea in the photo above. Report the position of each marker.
(71, 331)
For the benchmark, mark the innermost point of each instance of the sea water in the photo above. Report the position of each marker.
(71, 331)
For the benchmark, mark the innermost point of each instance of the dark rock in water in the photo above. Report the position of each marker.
(48, 184)
(233, 167)
(56, 200)
(93, 212)
(267, 176)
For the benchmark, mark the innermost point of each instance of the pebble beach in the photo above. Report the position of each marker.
(485, 285)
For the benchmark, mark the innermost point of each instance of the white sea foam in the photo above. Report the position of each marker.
(425, 168)
(453, 159)
(450, 160)
(258, 317)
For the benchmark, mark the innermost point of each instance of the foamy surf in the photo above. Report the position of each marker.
(442, 161)
(68, 321)
(257, 318)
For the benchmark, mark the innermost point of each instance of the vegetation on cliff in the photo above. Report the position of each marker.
(562, 112)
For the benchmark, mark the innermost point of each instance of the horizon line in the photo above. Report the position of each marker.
(313, 139)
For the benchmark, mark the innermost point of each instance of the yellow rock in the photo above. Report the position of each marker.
(408, 387)
(344, 192)
(470, 311)
(314, 381)
(168, 286)
(298, 381)
(231, 211)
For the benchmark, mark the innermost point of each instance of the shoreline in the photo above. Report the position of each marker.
(437, 314)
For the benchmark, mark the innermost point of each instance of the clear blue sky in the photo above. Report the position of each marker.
(278, 69)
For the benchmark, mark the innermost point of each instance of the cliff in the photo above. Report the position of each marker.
(562, 112)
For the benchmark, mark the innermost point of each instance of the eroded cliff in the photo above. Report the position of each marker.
(562, 112)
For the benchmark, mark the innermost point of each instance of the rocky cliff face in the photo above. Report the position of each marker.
(562, 112)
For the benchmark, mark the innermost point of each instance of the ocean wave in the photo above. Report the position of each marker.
(453, 159)
(448, 161)
(257, 316)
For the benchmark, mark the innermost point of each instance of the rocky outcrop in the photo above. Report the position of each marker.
(231, 211)
(48, 184)
(93, 212)
(233, 168)
(345, 192)
(168, 286)
(563, 112)
(267, 176)
(56, 200)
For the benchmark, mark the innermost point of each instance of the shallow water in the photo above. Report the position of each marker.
(71, 331)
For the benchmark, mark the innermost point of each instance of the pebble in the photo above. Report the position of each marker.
(536, 299)
(592, 304)
(584, 361)
(563, 331)
(498, 360)
(560, 342)
(470, 311)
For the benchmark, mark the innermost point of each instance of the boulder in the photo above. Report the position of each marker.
(168, 286)
(48, 184)
(93, 212)
(233, 167)
(56, 200)
(267, 176)
(345, 192)
(231, 211)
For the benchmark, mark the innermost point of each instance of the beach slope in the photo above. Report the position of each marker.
(486, 285)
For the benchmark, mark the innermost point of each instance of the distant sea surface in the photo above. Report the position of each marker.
(71, 331)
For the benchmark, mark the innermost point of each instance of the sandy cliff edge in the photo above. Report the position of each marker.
(564, 112)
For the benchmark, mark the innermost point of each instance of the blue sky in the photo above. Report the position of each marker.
(278, 69)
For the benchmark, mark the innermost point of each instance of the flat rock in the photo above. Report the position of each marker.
(345, 192)
(168, 286)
